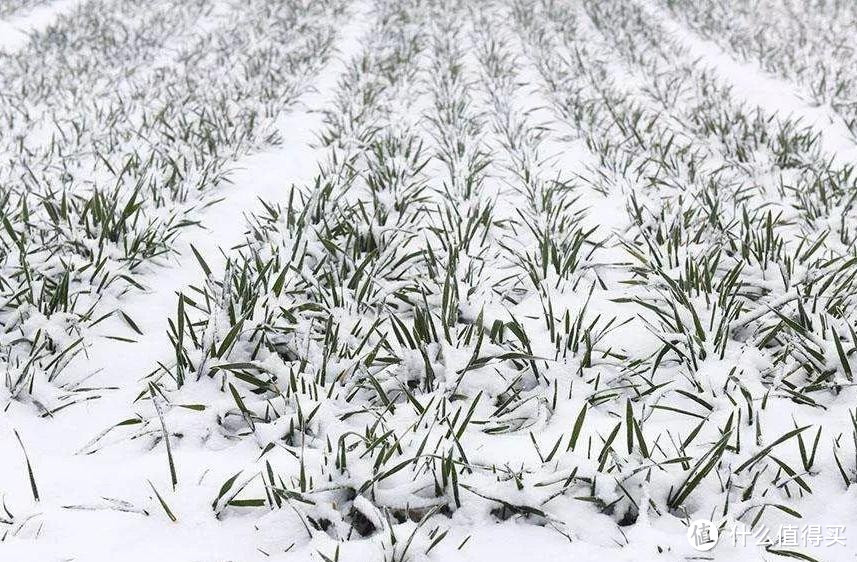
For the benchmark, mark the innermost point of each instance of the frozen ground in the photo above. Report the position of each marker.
(427, 280)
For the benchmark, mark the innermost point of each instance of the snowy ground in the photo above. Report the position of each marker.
(427, 280)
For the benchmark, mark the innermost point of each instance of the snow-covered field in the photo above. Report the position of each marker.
(428, 280)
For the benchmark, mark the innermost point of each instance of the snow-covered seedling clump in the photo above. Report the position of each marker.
(415, 280)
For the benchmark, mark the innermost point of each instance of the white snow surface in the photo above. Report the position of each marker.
(15, 31)
(96, 500)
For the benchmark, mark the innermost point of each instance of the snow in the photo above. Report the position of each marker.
(400, 411)
(758, 87)
(15, 32)
(69, 477)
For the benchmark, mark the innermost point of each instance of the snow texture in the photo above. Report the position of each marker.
(427, 280)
